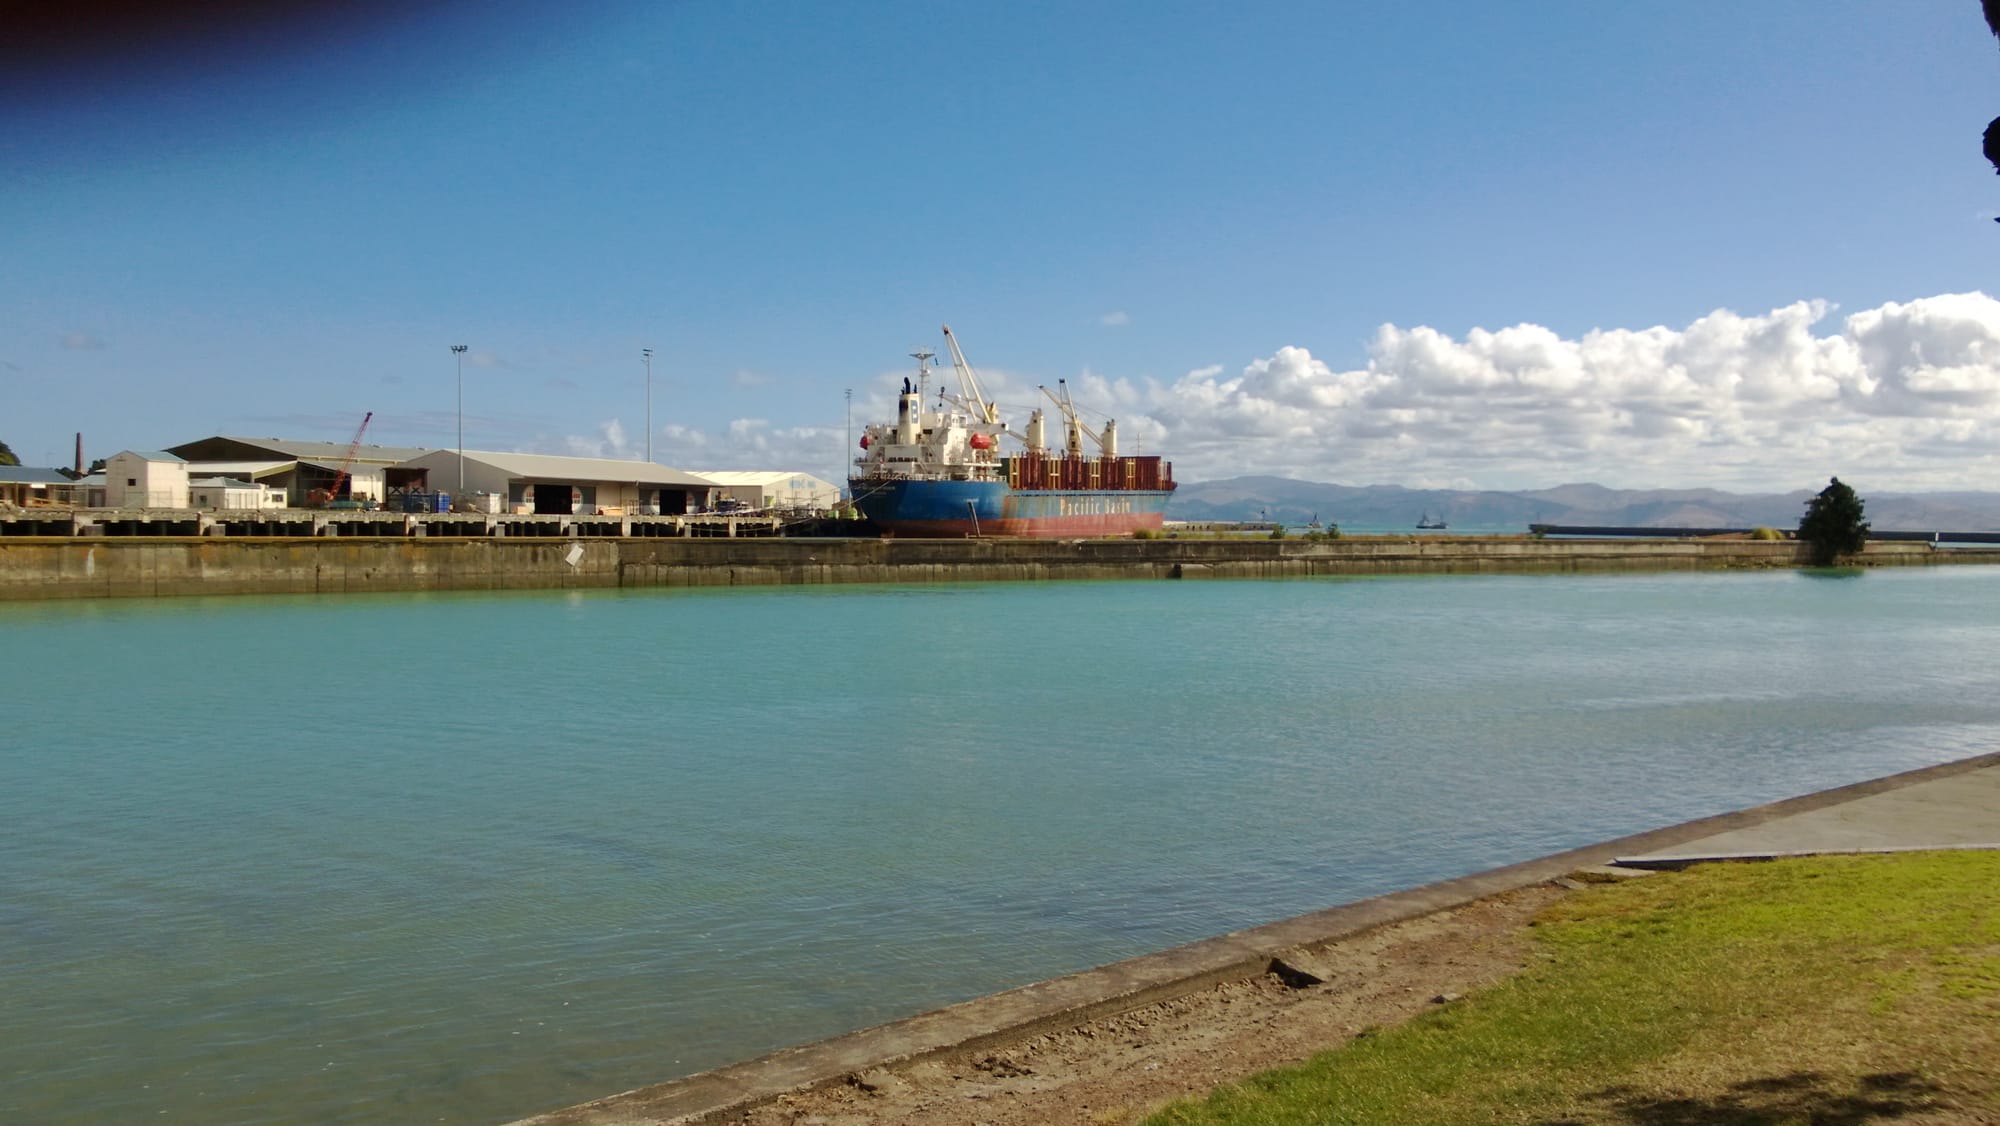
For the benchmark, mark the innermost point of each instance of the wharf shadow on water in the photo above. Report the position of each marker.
(1801, 1096)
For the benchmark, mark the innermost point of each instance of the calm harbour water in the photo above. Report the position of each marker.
(464, 857)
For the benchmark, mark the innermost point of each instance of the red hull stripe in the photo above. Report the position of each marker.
(1046, 527)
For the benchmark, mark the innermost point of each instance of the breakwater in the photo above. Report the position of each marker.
(91, 567)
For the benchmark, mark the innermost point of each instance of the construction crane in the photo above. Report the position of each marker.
(974, 399)
(340, 475)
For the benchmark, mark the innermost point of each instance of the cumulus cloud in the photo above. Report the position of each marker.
(744, 443)
(1118, 319)
(609, 441)
(1903, 394)
(754, 443)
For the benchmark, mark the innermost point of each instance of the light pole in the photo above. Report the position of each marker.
(648, 353)
(458, 350)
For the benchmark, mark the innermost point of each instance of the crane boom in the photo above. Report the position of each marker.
(968, 382)
(1074, 430)
(353, 448)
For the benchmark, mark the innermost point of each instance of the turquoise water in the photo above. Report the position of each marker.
(464, 857)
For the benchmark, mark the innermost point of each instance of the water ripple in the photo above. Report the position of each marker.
(459, 857)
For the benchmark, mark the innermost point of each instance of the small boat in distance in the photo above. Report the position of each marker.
(1426, 524)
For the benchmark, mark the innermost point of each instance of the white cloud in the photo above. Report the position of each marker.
(1903, 394)
(609, 441)
(82, 342)
(744, 377)
(744, 443)
(1118, 319)
(1906, 395)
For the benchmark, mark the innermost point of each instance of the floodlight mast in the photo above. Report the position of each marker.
(458, 350)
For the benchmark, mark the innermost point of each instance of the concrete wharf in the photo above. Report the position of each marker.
(1613, 531)
(560, 553)
(295, 522)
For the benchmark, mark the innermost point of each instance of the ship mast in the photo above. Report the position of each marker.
(923, 356)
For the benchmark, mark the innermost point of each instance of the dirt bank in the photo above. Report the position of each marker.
(1118, 1069)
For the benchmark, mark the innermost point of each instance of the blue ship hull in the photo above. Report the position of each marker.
(992, 508)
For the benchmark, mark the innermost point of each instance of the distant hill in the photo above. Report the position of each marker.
(1392, 506)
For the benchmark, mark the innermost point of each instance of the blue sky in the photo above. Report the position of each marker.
(1265, 236)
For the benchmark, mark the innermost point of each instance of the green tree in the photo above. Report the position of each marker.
(7, 456)
(1832, 526)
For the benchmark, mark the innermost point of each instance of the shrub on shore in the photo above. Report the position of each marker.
(1832, 525)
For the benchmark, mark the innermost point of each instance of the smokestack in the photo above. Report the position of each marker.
(79, 453)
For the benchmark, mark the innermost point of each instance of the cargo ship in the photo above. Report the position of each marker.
(940, 471)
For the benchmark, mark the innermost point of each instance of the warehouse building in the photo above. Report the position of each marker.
(145, 479)
(550, 485)
(23, 485)
(295, 468)
(774, 491)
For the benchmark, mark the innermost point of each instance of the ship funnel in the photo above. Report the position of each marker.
(909, 416)
(1110, 439)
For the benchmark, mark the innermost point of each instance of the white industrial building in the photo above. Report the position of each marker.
(228, 494)
(298, 468)
(769, 490)
(549, 484)
(145, 479)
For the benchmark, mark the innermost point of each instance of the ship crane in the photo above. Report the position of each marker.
(972, 397)
(1036, 439)
(1075, 431)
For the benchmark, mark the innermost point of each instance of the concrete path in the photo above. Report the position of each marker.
(1958, 811)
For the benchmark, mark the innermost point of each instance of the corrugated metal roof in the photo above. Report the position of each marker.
(30, 475)
(327, 451)
(358, 469)
(222, 483)
(558, 468)
(153, 455)
(757, 476)
(249, 469)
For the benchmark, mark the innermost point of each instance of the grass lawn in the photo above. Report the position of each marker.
(1830, 990)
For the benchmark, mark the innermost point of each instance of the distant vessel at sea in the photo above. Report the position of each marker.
(1426, 524)
(941, 473)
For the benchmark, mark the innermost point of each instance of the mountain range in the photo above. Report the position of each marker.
(1394, 507)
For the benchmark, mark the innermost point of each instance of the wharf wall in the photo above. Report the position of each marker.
(155, 566)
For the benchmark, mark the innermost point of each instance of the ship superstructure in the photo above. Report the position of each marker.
(941, 472)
